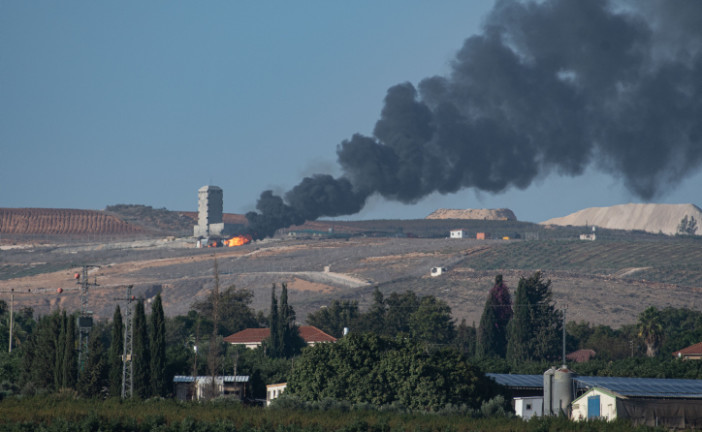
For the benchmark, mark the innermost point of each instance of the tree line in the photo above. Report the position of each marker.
(401, 337)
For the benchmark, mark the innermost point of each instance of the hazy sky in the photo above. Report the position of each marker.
(135, 102)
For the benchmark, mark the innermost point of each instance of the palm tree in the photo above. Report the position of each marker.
(651, 330)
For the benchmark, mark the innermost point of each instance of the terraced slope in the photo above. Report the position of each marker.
(24, 221)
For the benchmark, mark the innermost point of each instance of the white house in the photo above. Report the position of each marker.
(273, 391)
(458, 234)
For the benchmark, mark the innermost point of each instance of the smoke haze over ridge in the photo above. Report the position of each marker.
(554, 86)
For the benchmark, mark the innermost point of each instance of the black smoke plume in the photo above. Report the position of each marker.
(556, 85)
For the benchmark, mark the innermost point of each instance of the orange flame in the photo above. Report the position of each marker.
(238, 240)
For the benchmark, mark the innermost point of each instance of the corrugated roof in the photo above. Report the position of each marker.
(310, 334)
(631, 387)
(646, 387)
(518, 380)
(225, 378)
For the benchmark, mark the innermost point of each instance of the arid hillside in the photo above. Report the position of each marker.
(24, 221)
(609, 281)
(653, 218)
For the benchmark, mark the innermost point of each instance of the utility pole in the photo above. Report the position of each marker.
(127, 365)
(85, 320)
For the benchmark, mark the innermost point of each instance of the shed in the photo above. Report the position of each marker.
(188, 387)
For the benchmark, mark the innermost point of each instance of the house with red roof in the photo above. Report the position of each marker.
(253, 337)
(693, 352)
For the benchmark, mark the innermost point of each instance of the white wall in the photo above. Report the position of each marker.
(528, 407)
(608, 405)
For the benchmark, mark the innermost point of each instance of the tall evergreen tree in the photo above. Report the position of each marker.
(43, 367)
(140, 353)
(115, 353)
(158, 348)
(93, 378)
(60, 352)
(432, 322)
(374, 319)
(70, 360)
(290, 341)
(273, 345)
(492, 339)
(535, 329)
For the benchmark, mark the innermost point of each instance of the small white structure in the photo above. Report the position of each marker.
(529, 406)
(273, 391)
(437, 271)
(200, 387)
(597, 403)
(458, 234)
(591, 237)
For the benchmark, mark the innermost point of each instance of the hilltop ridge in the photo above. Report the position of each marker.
(653, 218)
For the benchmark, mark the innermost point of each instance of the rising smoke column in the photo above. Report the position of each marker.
(551, 86)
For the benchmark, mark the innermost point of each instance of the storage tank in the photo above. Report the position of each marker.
(548, 391)
(561, 391)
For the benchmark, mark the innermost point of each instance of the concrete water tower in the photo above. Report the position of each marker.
(209, 212)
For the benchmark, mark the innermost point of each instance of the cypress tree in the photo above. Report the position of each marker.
(70, 361)
(43, 367)
(274, 338)
(115, 353)
(290, 341)
(158, 348)
(59, 371)
(93, 377)
(140, 353)
(492, 339)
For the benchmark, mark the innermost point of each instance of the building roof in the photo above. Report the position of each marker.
(631, 387)
(249, 335)
(309, 334)
(581, 355)
(695, 349)
(225, 378)
(645, 387)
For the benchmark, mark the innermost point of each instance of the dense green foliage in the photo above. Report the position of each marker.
(67, 414)
(535, 329)
(380, 371)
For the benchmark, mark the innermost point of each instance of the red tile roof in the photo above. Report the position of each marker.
(695, 349)
(581, 355)
(310, 334)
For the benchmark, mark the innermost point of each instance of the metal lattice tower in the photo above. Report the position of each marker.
(127, 366)
(85, 319)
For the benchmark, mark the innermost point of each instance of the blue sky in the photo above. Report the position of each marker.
(136, 102)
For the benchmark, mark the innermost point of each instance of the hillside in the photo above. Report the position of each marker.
(479, 214)
(653, 218)
(607, 281)
(28, 221)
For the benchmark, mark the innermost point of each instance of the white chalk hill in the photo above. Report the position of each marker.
(654, 218)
